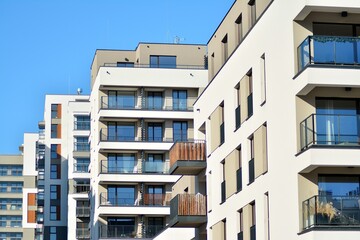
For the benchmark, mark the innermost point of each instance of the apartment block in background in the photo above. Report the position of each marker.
(63, 153)
(283, 141)
(141, 103)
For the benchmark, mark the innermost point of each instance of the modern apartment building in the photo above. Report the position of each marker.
(141, 103)
(63, 155)
(282, 143)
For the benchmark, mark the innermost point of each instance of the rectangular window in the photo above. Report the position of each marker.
(179, 100)
(217, 126)
(154, 163)
(155, 195)
(237, 109)
(55, 192)
(263, 79)
(154, 132)
(82, 144)
(260, 150)
(81, 164)
(222, 125)
(55, 171)
(239, 170)
(82, 122)
(253, 221)
(239, 29)
(251, 162)
(82, 186)
(180, 131)
(55, 111)
(10, 170)
(55, 151)
(121, 195)
(125, 64)
(52, 233)
(120, 163)
(154, 100)
(225, 48)
(121, 100)
(246, 97)
(266, 214)
(119, 131)
(55, 213)
(54, 131)
(120, 226)
(223, 183)
(162, 61)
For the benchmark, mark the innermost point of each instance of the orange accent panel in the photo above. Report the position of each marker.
(58, 131)
(31, 199)
(58, 150)
(59, 111)
(31, 216)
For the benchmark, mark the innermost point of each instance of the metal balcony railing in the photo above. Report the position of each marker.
(170, 66)
(331, 210)
(81, 147)
(330, 130)
(328, 50)
(81, 167)
(117, 231)
(81, 188)
(82, 233)
(83, 211)
(82, 125)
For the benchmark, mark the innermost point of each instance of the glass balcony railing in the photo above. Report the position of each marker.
(330, 130)
(329, 210)
(82, 125)
(81, 167)
(81, 147)
(121, 166)
(123, 200)
(169, 66)
(83, 211)
(329, 50)
(81, 188)
(82, 233)
(155, 167)
(117, 231)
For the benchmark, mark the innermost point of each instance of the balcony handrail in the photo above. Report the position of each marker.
(307, 56)
(149, 199)
(81, 147)
(188, 205)
(122, 168)
(310, 134)
(199, 67)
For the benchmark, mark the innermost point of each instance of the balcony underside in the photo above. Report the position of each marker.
(187, 221)
(184, 167)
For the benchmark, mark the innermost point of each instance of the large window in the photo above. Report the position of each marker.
(81, 164)
(11, 187)
(10, 221)
(154, 163)
(54, 212)
(82, 144)
(55, 151)
(154, 226)
(154, 100)
(155, 132)
(55, 110)
(162, 61)
(120, 227)
(55, 192)
(179, 99)
(121, 195)
(118, 131)
(10, 204)
(121, 100)
(339, 185)
(121, 163)
(155, 195)
(180, 131)
(55, 171)
(82, 122)
(10, 170)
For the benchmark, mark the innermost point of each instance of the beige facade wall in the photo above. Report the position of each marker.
(260, 151)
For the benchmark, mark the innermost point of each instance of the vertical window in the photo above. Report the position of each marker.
(52, 233)
(239, 29)
(223, 183)
(246, 97)
(222, 125)
(162, 61)
(237, 109)
(179, 99)
(121, 100)
(225, 48)
(121, 195)
(155, 195)
(55, 111)
(252, 12)
(266, 214)
(212, 65)
(118, 131)
(154, 100)
(180, 131)
(241, 225)
(55, 192)
(260, 150)
(54, 131)
(251, 162)
(55, 151)
(253, 221)
(263, 79)
(250, 95)
(54, 212)
(155, 132)
(55, 171)
(224, 232)
(239, 170)
(217, 128)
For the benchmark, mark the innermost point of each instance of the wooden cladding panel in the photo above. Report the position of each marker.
(59, 111)
(58, 131)
(191, 205)
(31, 216)
(187, 151)
(31, 199)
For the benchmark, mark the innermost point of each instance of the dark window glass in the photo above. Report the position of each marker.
(179, 100)
(180, 130)
(332, 185)
(163, 61)
(121, 100)
(121, 131)
(154, 132)
(121, 163)
(154, 100)
(121, 195)
(125, 64)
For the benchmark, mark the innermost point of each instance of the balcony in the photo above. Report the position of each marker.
(149, 104)
(82, 233)
(187, 158)
(188, 210)
(116, 167)
(128, 232)
(172, 66)
(82, 211)
(81, 167)
(82, 125)
(81, 147)
(322, 130)
(329, 51)
(150, 200)
(331, 211)
(82, 188)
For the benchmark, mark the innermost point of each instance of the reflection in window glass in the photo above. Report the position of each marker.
(163, 61)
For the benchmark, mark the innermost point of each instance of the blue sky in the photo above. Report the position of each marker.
(46, 46)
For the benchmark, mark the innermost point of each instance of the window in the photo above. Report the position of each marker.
(52, 233)
(55, 111)
(55, 192)
(237, 109)
(154, 132)
(120, 226)
(81, 164)
(10, 170)
(154, 100)
(82, 122)
(239, 29)
(155, 195)
(225, 48)
(339, 185)
(251, 162)
(55, 171)
(125, 64)
(119, 131)
(82, 186)
(241, 225)
(162, 61)
(239, 170)
(252, 12)
(54, 212)
(246, 97)
(259, 150)
(121, 195)
(154, 226)
(55, 151)
(55, 131)
(222, 125)
(10, 204)
(253, 222)
(263, 79)
(180, 131)
(217, 126)
(121, 100)
(223, 183)
(179, 99)
(121, 163)
(154, 163)
(267, 214)
(82, 144)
